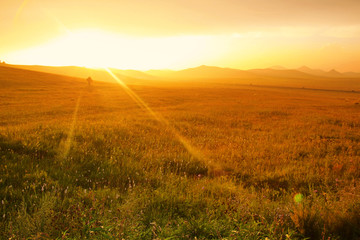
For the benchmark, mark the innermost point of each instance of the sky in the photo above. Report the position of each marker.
(177, 34)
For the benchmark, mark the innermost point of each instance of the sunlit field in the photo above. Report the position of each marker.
(190, 161)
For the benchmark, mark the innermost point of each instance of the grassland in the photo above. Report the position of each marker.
(213, 161)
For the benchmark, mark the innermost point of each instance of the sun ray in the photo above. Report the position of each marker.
(187, 145)
(65, 151)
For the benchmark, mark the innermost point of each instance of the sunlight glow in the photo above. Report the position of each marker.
(141, 35)
(96, 48)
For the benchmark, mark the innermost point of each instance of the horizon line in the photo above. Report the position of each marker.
(273, 67)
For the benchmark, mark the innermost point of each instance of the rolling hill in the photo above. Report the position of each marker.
(284, 73)
(130, 76)
(208, 72)
(264, 77)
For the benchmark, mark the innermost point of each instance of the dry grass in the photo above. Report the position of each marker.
(127, 175)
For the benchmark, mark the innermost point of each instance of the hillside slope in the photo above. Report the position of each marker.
(14, 77)
(130, 76)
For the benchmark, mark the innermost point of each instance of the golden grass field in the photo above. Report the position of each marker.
(213, 160)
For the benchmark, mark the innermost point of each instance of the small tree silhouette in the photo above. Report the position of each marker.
(89, 81)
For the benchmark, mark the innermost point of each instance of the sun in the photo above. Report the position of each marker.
(97, 48)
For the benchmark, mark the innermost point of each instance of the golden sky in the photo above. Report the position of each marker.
(175, 34)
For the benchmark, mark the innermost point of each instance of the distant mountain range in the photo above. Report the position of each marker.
(332, 73)
(275, 71)
(303, 77)
(208, 72)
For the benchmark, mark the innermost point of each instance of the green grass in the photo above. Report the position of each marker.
(127, 175)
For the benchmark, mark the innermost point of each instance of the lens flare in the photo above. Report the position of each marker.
(298, 198)
(20, 9)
